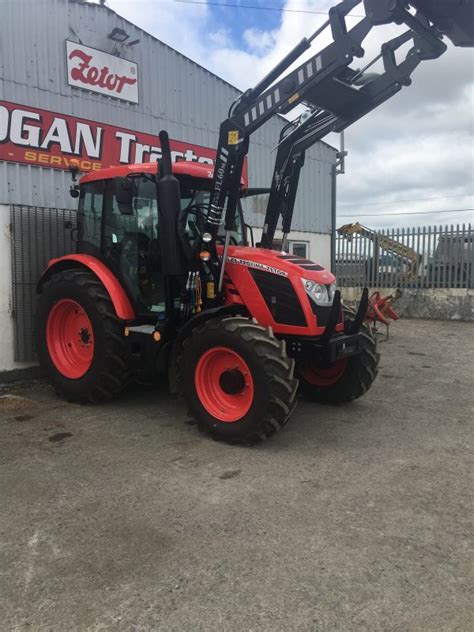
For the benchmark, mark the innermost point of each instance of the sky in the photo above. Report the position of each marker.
(415, 153)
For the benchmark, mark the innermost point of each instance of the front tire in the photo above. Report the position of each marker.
(345, 380)
(80, 340)
(237, 380)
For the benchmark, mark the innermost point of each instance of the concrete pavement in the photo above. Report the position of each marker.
(124, 517)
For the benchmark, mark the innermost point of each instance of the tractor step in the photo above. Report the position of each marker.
(141, 329)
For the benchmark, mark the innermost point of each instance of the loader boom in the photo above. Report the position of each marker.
(337, 94)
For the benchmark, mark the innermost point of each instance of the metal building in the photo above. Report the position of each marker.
(81, 85)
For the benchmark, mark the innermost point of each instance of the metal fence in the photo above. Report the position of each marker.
(38, 234)
(422, 257)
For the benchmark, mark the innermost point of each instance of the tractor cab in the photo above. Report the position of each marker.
(118, 222)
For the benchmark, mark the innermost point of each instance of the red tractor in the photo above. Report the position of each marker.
(160, 283)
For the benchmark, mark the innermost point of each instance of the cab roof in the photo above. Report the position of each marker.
(183, 167)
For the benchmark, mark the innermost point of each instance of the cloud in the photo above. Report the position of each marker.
(220, 38)
(418, 144)
(258, 41)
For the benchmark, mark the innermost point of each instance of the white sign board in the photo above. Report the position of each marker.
(101, 72)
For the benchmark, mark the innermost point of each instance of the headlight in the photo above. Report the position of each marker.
(320, 294)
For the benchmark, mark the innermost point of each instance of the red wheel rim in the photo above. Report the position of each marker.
(70, 339)
(326, 377)
(224, 384)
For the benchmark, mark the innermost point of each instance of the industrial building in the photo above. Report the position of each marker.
(79, 85)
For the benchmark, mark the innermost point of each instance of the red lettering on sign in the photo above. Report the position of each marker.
(48, 139)
(93, 76)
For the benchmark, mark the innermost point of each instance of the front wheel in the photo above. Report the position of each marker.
(237, 380)
(346, 379)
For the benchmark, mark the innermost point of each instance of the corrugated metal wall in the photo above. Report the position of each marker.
(38, 234)
(174, 93)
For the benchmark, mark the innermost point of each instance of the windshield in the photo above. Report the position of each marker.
(196, 202)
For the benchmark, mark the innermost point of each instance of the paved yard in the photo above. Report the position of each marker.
(123, 517)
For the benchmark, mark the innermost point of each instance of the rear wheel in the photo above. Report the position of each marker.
(237, 380)
(80, 339)
(346, 379)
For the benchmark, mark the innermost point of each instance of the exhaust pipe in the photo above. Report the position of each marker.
(169, 207)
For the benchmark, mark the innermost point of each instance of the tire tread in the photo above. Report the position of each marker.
(278, 368)
(114, 374)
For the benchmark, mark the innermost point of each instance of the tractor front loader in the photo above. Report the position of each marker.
(163, 279)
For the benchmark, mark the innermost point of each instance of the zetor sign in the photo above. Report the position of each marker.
(95, 70)
(46, 139)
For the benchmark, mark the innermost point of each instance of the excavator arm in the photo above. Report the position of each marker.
(386, 243)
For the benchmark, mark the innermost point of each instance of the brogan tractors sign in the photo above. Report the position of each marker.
(46, 139)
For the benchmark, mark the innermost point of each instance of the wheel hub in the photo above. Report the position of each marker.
(85, 336)
(70, 339)
(224, 384)
(232, 381)
(327, 376)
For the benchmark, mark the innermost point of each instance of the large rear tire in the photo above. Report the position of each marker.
(80, 339)
(237, 380)
(346, 379)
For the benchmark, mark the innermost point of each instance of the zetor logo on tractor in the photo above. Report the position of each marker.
(164, 281)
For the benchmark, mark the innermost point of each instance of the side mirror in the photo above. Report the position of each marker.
(125, 190)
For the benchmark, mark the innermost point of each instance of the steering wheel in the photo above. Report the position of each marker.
(197, 227)
(220, 239)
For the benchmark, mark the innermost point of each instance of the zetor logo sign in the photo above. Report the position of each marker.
(47, 139)
(95, 70)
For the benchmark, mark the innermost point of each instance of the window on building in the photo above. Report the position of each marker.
(297, 248)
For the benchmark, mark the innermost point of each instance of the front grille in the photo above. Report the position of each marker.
(322, 313)
(280, 297)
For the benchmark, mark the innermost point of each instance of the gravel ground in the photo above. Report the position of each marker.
(123, 517)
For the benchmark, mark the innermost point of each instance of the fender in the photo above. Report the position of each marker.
(119, 298)
(213, 312)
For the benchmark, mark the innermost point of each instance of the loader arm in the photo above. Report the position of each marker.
(342, 100)
(326, 83)
(339, 95)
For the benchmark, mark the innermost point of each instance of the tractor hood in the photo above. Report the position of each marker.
(279, 263)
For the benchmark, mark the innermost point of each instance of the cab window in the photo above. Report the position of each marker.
(89, 214)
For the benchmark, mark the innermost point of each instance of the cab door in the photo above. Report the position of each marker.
(130, 239)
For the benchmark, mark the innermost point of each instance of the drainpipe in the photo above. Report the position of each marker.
(338, 168)
(333, 218)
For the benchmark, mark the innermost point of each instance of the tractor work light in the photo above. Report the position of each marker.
(319, 294)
